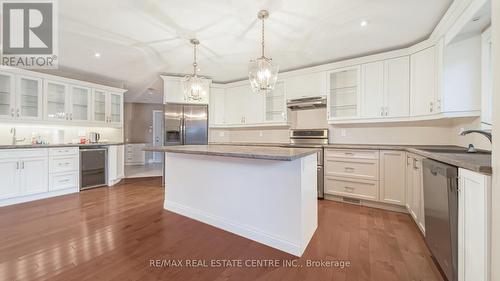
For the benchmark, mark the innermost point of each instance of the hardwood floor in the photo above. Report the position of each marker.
(114, 233)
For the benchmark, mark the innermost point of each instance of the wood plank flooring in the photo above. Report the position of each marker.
(114, 233)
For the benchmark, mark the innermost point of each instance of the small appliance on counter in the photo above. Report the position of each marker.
(94, 137)
(312, 138)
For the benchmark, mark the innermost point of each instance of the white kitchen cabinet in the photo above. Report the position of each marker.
(343, 93)
(9, 172)
(386, 88)
(29, 98)
(7, 96)
(253, 106)
(56, 100)
(34, 175)
(237, 105)
(397, 87)
(424, 82)
(217, 106)
(486, 79)
(173, 91)
(99, 113)
(409, 183)
(135, 154)
(392, 177)
(116, 169)
(115, 108)
(372, 90)
(306, 85)
(275, 104)
(64, 168)
(416, 188)
(80, 103)
(474, 220)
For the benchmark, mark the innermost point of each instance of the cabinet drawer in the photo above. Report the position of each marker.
(352, 153)
(63, 181)
(22, 153)
(361, 189)
(63, 151)
(361, 168)
(63, 164)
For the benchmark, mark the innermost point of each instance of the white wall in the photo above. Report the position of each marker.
(56, 134)
(436, 132)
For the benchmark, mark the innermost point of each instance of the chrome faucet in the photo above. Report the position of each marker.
(482, 132)
(15, 140)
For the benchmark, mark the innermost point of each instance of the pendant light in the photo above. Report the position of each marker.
(194, 86)
(261, 72)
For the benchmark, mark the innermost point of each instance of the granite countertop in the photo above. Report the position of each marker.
(450, 154)
(264, 152)
(19, 146)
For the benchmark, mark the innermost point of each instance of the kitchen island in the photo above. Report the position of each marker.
(266, 194)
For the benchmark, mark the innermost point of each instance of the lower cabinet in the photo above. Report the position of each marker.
(415, 190)
(34, 176)
(474, 220)
(116, 169)
(392, 177)
(134, 154)
(64, 168)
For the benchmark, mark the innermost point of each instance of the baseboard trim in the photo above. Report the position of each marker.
(236, 228)
(39, 196)
(371, 204)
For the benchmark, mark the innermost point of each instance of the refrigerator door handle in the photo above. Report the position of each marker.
(183, 130)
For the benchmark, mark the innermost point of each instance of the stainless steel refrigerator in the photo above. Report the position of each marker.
(186, 124)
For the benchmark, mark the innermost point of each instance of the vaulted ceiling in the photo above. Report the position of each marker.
(139, 39)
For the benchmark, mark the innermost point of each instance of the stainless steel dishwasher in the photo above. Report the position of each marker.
(93, 163)
(441, 214)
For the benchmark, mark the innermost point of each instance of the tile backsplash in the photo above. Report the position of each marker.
(55, 134)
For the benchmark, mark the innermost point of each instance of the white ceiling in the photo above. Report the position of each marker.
(139, 39)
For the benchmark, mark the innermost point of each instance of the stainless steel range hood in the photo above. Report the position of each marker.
(306, 103)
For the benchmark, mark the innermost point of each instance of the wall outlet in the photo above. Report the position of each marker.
(343, 132)
(221, 134)
(261, 134)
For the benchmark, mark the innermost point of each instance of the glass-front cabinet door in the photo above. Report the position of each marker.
(7, 97)
(29, 98)
(115, 109)
(343, 96)
(80, 104)
(99, 106)
(57, 100)
(276, 104)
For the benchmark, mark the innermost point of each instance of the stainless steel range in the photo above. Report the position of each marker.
(312, 138)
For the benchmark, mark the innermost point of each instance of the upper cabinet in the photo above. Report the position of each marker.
(486, 79)
(275, 104)
(51, 99)
(424, 87)
(306, 85)
(7, 96)
(28, 98)
(344, 93)
(217, 106)
(173, 91)
(386, 88)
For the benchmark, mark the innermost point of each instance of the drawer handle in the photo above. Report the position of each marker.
(349, 169)
(64, 181)
(349, 153)
(349, 189)
(64, 164)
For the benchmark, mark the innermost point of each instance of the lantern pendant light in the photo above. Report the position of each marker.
(194, 86)
(261, 72)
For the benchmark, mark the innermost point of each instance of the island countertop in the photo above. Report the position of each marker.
(264, 153)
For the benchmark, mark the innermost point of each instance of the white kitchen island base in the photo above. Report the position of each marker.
(268, 201)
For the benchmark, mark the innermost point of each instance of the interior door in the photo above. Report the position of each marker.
(195, 124)
(173, 124)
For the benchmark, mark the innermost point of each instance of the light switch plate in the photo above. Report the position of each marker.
(221, 134)
(343, 132)
(261, 133)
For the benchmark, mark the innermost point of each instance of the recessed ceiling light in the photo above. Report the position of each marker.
(363, 23)
(97, 55)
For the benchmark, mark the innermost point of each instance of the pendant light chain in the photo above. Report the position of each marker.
(263, 46)
(195, 64)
